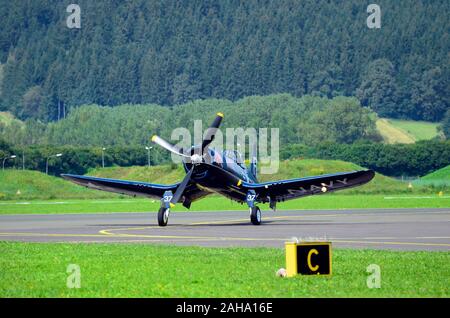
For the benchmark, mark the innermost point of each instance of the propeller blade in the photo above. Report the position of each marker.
(182, 187)
(211, 132)
(161, 142)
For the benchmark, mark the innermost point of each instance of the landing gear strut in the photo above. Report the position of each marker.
(255, 215)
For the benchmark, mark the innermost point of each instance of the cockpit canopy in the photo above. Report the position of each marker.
(234, 156)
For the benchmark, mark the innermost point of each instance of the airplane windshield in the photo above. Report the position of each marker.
(238, 157)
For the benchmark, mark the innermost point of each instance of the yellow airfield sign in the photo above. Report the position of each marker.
(308, 258)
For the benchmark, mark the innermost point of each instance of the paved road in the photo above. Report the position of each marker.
(400, 229)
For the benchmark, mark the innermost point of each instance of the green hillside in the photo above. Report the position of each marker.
(419, 130)
(163, 174)
(26, 185)
(392, 134)
(405, 131)
(437, 178)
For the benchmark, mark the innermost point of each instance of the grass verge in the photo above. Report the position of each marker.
(215, 203)
(137, 270)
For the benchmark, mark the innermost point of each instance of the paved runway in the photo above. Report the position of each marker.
(400, 229)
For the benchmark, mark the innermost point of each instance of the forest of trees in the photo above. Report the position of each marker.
(307, 120)
(170, 52)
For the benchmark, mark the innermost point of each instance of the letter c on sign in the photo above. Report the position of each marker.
(313, 268)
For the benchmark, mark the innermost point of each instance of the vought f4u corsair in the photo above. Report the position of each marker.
(210, 171)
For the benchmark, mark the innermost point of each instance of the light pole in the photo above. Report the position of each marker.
(103, 157)
(148, 154)
(46, 164)
(6, 158)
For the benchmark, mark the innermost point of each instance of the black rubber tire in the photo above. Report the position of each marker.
(255, 215)
(163, 216)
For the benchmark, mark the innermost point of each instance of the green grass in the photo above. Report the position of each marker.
(35, 185)
(138, 270)
(162, 174)
(213, 203)
(29, 185)
(406, 131)
(438, 178)
(441, 174)
(18, 185)
(392, 134)
(420, 130)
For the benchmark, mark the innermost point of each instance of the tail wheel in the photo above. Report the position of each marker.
(255, 215)
(163, 216)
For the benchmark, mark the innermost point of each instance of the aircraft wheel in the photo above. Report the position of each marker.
(163, 216)
(255, 215)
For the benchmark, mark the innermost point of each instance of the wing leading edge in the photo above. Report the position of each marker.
(133, 188)
(294, 188)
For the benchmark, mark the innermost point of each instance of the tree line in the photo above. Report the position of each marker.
(416, 159)
(308, 120)
(171, 52)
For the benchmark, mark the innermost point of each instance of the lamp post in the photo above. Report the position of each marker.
(46, 164)
(148, 154)
(6, 158)
(103, 157)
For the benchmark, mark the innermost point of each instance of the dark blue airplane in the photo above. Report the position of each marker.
(209, 171)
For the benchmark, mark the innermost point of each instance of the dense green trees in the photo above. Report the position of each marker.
(309, 120)
(344, 121)
(446, 124)
(378, 88)
(416, 159)
(170, 52)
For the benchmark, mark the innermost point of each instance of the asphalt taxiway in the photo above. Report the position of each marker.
(399, 229)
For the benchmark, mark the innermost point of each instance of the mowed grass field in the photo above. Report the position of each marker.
(437, 178)
(420, 130)
(137, 270)
(405, 131)
(32, 185)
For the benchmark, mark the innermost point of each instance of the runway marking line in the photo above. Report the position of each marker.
(207, 238)
(107, 232)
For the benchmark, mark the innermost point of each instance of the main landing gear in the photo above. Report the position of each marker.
(163, 216)
(164, 210)
(255, 212)
(255, 215)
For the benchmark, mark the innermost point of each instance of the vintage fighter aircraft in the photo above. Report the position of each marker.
(209, 171)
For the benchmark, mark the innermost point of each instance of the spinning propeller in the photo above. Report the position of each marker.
(194, 158)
